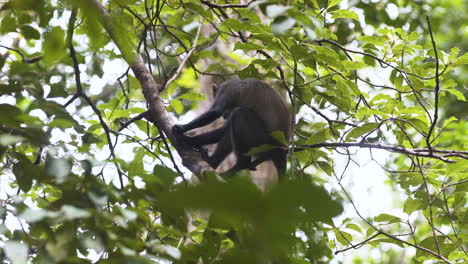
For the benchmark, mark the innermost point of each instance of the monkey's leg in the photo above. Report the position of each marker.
(278, 157)
(209, 137)
(223, 148)
(247, 131)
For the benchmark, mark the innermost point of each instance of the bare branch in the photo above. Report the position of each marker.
(397, 149)
(23, 57)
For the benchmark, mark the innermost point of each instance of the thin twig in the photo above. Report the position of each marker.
(214, 5)
(437, 87)
(80, 92)
(23, 58)
(189, 53)
(391, 148)
(140, 116)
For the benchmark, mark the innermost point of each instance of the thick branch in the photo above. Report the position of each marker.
(159, 115)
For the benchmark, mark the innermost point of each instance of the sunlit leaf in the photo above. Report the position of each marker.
(17, 252)
(282, 24)
(461, 60)
(387, 218)
(72, 212)
(344, 14)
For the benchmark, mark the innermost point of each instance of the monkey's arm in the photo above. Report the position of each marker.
(202, 120)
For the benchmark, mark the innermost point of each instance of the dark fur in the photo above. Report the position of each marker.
(252, 110)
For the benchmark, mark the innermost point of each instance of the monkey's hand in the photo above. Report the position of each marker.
(178, 130)
(181, 138)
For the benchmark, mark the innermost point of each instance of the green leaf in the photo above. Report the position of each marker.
(58, 168)
(460, 96)
(448, 121)
(323, 50)
(377, 41)
(63, 123)
(234, 24)
(299, 51)
(365, 112)
(398, 82)
(387, 218)
(412, 205)
(57, 90)
(326, 167)
(9, 116)
(457, 168)
(177, 106)
(444, 244)
(281, 24)
(333, 3)
(454, 53)
(344, 14)
(343, 237)
(29, 32)
(413, 36)
(173, 252)
(16, 251)
(279, 136)
(166, 175)
(449, 84)
(34, 215)
(7, 140)
(54, 45)
(249, 72)
(24, 172)
(276, 10)
(359, 131)
(72, 212)
(8, 23)
(199, 10)
(354, 227)
(461, 60)
(192, 96)
(379, 239)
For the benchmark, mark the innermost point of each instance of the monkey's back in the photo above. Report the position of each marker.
(265, 101)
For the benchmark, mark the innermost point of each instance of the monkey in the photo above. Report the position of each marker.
(252, 110)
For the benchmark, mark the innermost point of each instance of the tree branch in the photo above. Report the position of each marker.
(80, 92)
(214, 5)
(412, 152)
(437, 88)
(23, 58)
(161, 118)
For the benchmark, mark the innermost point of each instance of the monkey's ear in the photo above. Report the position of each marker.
(215, 90)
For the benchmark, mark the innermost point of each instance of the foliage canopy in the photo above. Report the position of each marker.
(90, 90)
